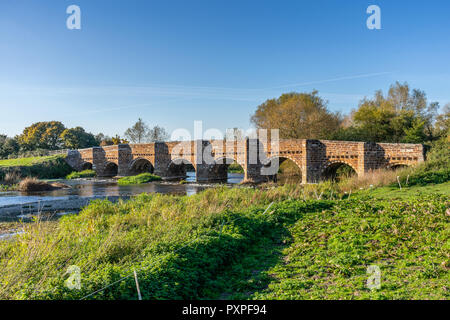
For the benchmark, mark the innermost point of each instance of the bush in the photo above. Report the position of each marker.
(436, 169)
(139, 179)
(81, 174)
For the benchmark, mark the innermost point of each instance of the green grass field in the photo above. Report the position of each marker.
(27, 162)
(48, 167)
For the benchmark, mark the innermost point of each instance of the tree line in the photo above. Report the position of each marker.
(41, 138)
(400, 116)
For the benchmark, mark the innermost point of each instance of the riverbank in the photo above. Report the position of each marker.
(48, 167)
(234, 243)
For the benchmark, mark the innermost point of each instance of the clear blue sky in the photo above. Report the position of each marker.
(173, 62)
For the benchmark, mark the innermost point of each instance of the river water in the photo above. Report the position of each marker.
(88, 188)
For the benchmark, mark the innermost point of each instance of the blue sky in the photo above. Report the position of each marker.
(173, 62)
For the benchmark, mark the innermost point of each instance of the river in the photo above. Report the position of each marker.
(15, 204)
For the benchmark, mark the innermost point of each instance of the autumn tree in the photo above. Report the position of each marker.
(403, 115)
(138, 132)
(43, 135)
(442, 125)
(297, 115)
(77, 138)
(157, 134)
(118, 140)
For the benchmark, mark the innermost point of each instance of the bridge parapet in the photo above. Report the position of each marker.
(257, 158)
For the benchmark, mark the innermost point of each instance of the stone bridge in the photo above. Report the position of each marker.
(259, 160)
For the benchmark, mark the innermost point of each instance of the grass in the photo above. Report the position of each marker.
(223, 243)
(27, 162)
(393, 192)
(329, 252)
(81, 174)
(235, 168)
(139, 179)
(48, 167)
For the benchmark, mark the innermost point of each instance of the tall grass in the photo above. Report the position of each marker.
(107, 239)
(371, 179)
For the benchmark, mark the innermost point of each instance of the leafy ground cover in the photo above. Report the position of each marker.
(228, 243)
(330, 252)
(139, 179)
(81, 174)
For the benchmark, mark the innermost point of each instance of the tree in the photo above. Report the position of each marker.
(400, 116)
(442, 124)
(77, 138)
(138, 132)
(44, 135)
(234, 134)
(118, 140)
(8, 146)
(157, 134)
(297, 115)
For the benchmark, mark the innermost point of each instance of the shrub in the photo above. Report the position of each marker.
(33, 184)
(139, 179)
(81, 174)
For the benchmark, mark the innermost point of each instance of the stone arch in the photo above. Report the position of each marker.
(178, 168)
(329, 170)
(111, 169)
(141, 165)
(281, 160)
(221, 166)
(86, 166)
(273, 172)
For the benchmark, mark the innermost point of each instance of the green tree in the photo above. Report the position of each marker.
(8, 146)
(442, 124)
(77, 138)
(297, 115)
(43, 135)
(403, 115)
